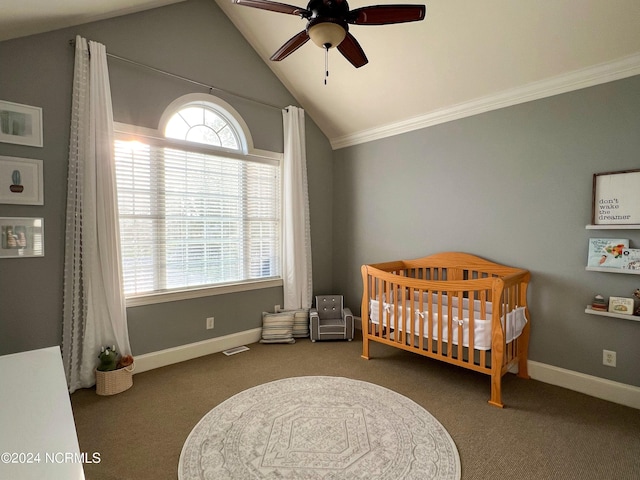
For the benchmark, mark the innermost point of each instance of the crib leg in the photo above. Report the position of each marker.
(523, 353)
(523, 368)
(496, 395)
(365, 346)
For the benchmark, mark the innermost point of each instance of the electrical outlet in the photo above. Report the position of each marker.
(209, 323)
(609, 358)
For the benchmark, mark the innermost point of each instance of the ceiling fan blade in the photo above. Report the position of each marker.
(386, 14)
(290, 46)
(275, 7)
(352, 51)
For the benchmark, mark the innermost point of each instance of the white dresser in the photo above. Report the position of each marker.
(38, 437)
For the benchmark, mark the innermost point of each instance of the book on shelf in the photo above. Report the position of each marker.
(607, 252)
(631, 258)
(621, 305)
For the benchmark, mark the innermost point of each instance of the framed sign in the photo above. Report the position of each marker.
(21, 237)
(21, 181)
(21, 124)
(616, 198)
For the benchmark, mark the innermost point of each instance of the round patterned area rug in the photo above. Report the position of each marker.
(319, 428)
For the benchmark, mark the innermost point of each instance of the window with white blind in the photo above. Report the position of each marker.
(194, 213)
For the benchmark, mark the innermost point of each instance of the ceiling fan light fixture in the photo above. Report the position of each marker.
(327, 34)
(328, 24)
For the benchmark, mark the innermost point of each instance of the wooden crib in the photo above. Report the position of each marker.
(453, 307)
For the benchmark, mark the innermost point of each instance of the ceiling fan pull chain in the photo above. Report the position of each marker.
(326, 63)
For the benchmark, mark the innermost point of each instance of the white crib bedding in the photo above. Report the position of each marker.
(515, 321)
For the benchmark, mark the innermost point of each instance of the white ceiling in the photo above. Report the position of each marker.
(466, 57)
(19, 18)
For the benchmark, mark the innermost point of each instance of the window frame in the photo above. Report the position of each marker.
(127, 132)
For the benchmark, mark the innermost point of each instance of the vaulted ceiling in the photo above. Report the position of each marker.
(466, 57)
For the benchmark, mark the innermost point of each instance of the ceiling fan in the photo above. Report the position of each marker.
(328, 24)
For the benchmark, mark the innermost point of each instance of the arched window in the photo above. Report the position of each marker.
(202, 124)
(198, 207)
(206, 120)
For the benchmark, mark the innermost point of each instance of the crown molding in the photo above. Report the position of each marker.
(602, 73)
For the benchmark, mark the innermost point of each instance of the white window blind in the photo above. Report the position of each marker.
(191, 219)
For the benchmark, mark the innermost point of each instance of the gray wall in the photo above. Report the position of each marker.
(513, 186)
(193, 39)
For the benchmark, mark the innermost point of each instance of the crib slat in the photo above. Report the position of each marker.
(421, 320)
(429, 319)
(449, 324)
(381, 311)
(472, 325)
(439, 322)
(483, 358)
(390, 315)
(460, 347)
(402, 319)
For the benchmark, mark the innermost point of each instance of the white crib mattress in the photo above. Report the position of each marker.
(515, 322)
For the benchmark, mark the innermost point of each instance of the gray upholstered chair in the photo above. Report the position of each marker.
(330, 320)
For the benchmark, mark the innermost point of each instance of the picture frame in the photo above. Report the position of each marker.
(616, 198)
(21, 237)
(21, 181)
(20, 124)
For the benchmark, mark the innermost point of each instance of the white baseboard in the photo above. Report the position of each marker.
(162, 358)
(616, 392)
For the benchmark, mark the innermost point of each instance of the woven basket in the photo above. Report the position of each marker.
(114, 381)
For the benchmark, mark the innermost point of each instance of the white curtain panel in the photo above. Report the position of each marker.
(94, 313)
(296, 264)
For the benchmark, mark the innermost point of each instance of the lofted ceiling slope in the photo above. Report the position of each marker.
(465, 58)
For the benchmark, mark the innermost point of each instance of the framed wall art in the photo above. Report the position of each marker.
(21, 237)
(21, 181)
(21, 124)
(616, 198)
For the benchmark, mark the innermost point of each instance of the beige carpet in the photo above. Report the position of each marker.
(318, 427)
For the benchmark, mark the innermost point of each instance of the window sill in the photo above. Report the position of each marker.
(175, 296)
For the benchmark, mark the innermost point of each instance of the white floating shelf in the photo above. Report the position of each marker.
(591, 311)
(613, 227)
(613, 270)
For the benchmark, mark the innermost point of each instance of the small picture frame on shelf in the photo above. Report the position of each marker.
(621, 305)
(616, 198)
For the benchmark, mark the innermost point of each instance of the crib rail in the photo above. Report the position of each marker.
(452, 307)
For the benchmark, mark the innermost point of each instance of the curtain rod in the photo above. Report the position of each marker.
(72, 42)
